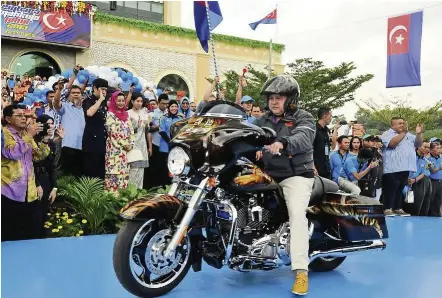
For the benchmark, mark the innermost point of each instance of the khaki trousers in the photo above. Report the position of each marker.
(297, 192)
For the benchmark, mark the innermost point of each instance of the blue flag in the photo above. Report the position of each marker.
(404, 50)
(268, 19)
(202, 23)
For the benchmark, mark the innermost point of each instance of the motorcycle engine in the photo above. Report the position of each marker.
(258, 236)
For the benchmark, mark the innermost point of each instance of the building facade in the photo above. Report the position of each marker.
(144, 38)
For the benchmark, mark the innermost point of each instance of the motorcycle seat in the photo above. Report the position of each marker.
(321, 186)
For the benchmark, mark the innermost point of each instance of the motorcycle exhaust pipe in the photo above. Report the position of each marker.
(348, 250)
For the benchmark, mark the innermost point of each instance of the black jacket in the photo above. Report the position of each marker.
(95, 134)
(297, 133)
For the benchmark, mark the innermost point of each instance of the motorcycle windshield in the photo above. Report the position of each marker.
(223, 109)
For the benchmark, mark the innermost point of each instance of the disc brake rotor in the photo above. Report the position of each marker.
(156, 262)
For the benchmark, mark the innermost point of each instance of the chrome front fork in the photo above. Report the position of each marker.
(192, 207)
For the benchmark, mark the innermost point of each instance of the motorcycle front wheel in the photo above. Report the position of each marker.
(139, 261)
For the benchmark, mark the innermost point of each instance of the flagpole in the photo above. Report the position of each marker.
(270, 59)
(213, 48)
(271, 44)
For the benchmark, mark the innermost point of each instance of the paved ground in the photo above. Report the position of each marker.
(411, 266)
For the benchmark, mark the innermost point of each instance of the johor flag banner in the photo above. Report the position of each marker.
(202, 23)
(46, 26)
(269, 19)
(404, 50)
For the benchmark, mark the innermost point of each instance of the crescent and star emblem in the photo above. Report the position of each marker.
(60, 21)
(399, 38)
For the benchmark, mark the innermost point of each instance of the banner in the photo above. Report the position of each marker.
(404, 37)
(53, 25)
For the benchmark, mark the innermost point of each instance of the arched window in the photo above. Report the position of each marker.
(175, 84)
(35, 63)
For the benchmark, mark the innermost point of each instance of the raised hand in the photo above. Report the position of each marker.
(419, 128)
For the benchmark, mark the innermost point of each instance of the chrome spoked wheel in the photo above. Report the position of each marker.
(139, 261)
(149, 266)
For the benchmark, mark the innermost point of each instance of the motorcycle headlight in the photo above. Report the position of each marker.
(178, 161)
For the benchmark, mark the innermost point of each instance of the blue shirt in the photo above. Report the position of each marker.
(11, 84)
(156, 138)
(251, 119)
(402, 158)
(165, 124)
(351, 166)
(421, 168)
(337, 161)
(73, 122)
(437, 162)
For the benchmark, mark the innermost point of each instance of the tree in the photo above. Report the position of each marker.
(320, 86)
(325, 86)
(379, 117)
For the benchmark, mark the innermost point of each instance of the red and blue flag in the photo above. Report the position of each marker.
(202, 23)
(404, 50)
(268, 19)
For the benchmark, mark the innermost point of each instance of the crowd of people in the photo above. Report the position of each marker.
(91, 130)
(122, 138)
(400, 169)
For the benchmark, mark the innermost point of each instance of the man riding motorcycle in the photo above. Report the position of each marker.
(289, 160)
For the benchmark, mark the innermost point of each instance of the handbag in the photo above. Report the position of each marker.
(134, 155)
(410, 197)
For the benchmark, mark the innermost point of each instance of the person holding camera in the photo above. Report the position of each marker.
(356, 168)
(20, 201)
(371, 184)
(45, 169)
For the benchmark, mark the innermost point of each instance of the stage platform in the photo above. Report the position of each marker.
(410, 267)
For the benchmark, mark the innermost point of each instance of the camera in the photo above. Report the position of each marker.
(45, 129)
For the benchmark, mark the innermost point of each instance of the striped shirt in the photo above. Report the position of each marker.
(402, 158)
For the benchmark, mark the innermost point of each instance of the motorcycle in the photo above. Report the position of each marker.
(223, 209)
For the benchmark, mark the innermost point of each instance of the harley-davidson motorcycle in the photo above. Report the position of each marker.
(223, 209)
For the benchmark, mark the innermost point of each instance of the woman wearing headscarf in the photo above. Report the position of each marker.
(166, 122)
(120, 140)
(45, 172)
(139, 117)
(185, 108)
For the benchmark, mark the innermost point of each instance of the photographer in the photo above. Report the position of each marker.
(45, 169)
(356, 168)
(20, 205)
(371, 184)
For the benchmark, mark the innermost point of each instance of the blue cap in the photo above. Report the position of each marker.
(435, 140)
(246, 98)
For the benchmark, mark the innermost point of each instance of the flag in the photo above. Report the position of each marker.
(404, 50)
(269, 19)
(201, 21)
(57, 27)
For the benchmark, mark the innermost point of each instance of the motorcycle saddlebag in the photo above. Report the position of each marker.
(353, 217)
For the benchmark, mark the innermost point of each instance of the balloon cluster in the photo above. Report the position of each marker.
(116, 77)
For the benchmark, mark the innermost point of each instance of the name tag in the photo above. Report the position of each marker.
(327, 150)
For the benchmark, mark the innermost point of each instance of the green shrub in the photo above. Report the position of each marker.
(85, 198)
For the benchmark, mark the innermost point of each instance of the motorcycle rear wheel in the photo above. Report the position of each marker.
(323, 264)
(138, 255)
